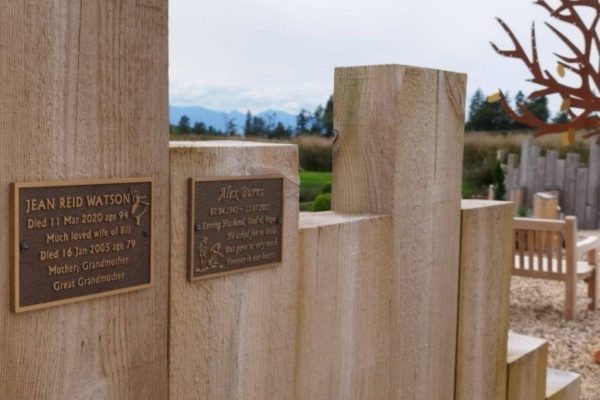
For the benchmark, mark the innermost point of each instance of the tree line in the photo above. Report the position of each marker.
(318, 122)
(490, 116)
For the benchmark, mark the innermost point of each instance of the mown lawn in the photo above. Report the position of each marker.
(311, 185)
(468, 189)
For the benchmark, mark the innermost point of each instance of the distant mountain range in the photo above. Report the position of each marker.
(217, 119)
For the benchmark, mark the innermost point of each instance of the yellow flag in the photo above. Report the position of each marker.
(561, 70)
(494, 98)
(566, 104)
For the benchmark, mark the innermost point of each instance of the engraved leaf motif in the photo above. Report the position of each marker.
(494, 98)
(566, 104)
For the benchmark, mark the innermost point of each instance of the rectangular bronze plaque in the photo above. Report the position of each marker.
(78, 240)
(235, 224)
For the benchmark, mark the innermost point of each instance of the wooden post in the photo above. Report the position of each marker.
(527, 362)
(593, 183)
(511, 172)
(517, 196)
(571, 165)
(559, 178)
(559, 182)
(399, 152)
(562, 385)
(485, 267)
(491, 192)
(344, 330)
(581, 195)
(525, 157)
(233, 336)
(540, 175)
(550, 175)
(532, 173)
(545, 205)
(571, 280)
(85, 96)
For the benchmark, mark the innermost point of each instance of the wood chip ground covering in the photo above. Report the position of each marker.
(536, 309)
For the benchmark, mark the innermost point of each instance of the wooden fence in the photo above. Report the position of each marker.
(400, 292)
(576, 184)
(85, 96)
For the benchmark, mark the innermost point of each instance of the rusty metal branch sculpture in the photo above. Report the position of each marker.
(581, 103)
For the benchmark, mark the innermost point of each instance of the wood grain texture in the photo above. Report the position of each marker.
(233, 337)
(527, 361)
(545, 205)
(559, 182)
(399, 152)
(531, 173)
(569, 198)
(562, 385)
(513, 166)
(485, 267)
(344, 330)
(550, 176)
(540, 175)
(525, 157)
(593, 183)
(517, 197)
(85, 96)
(581, 195)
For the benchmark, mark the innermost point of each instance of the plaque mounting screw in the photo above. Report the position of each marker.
(145, 233)
(197, 228)
(24, 245)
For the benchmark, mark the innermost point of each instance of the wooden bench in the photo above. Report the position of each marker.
(549, 249)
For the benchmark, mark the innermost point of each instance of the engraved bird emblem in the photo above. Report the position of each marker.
(139, 207)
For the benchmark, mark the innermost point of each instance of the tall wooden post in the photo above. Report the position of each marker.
(591, 210)
(233, 336)
(399, 152)
(84, 96)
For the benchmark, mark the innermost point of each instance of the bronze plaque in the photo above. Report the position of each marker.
(79, 240)
(235, 224)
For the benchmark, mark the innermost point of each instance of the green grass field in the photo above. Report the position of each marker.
(468, 190)
(311, 185)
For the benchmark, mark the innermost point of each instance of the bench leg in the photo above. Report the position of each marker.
(570, 299)
(593, 282)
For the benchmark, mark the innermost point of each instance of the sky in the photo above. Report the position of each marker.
(281, 54)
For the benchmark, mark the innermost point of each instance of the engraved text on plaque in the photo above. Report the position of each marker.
(79, 240)
(235, 224)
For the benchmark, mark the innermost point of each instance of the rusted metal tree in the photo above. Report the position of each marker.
(580, 102)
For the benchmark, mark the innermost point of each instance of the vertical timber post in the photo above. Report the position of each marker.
(399, 152)
(85, 97)
(233, 336)
(485, 267)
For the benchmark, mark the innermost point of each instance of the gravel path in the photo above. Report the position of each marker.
(536, 310)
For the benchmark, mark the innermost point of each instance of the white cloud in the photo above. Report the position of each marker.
(289, 98)
(259, 54)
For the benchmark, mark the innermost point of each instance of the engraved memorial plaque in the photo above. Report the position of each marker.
(235, 224)
(80, 240)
